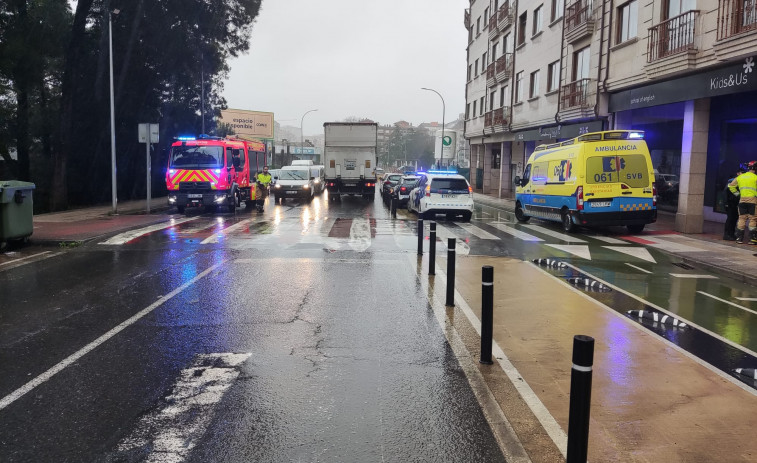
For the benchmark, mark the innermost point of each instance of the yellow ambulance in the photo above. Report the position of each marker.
(596, 179)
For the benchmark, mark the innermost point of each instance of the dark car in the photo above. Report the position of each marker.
(401, 191)
(387, 183)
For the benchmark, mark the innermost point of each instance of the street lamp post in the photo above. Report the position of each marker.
(112, 114)
(302, 131)
(441, 154)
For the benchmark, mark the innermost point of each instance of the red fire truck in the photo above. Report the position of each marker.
(213, 172)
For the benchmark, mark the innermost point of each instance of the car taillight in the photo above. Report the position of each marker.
(403, 189)
(580, 198)
(654, 194)
(428, 190)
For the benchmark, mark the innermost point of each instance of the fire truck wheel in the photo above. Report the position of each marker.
(249, 204)
(180, 209)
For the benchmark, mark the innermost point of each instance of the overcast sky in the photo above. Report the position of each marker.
(353, 58)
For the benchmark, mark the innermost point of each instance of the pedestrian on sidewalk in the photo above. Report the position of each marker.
(731, 208)
(745, 185)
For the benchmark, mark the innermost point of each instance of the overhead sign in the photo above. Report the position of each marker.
(254, 124)
(559, 131)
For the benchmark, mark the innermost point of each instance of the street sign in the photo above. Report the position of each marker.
(447, 140)
(154, 130)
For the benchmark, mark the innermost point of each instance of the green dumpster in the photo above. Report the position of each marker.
(16, 210)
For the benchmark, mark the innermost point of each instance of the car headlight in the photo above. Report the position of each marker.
(305, 187)
(318, 180)
(220, 199)
(172, 199)
(277, 186)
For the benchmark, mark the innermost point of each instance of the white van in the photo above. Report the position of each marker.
(302, 162)
(319, 178)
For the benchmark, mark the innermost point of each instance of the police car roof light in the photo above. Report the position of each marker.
(443, 172)
(186, 138)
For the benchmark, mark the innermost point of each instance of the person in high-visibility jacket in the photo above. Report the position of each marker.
(745, 186)
(263, 180)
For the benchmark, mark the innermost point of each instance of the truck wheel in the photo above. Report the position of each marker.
(467, 216)
(635, 228)
(567, 221)
(181, 209)
(519, 214)
(249, 204)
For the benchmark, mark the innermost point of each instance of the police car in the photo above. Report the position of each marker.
(442, 192)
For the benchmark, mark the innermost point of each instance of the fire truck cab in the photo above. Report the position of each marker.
(213, 172)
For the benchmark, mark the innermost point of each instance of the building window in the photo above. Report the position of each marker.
(467, 111)
(494, 51)
(676, 7)
(522, 22)
(496, 5)
(507, 43)
(533, 89)
(553, 76)
(491, 100)
(483, 62)
(581, 64)
(502, 93)
(481, 107)
(470, 71)
(628, 18)
(486, 16)
(496, 159)
(474, 108)
(475, 68)
(478, 25)
(537, 20)
(519, 87)
(557, 9)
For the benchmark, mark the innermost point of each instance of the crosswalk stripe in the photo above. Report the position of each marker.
(554, 234)
(216, 237)
(727, 302)
(635, 251)
(360, 234)
(638, 268)
(477, 232)
(516, 233)
(443, 233)
(575, 249)
(125, 237)
(608, 240)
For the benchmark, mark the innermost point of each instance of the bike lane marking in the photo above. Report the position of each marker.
(125, 237)
(60, 366)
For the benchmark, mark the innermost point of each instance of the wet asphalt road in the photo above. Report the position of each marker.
(346, 360)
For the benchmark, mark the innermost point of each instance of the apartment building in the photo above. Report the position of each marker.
(681, 70)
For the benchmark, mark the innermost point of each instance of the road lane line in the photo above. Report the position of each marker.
(638, 268)
(747, 298)
(728, 302)
(477, 232)
(688, 275)
(125, 237)
(216, 237)
(18, 393)
(516, 233)
(172, 431)
(554, 234)
(25, 258)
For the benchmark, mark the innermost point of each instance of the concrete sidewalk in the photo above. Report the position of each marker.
(705, 250)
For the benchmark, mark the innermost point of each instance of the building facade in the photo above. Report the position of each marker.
(681, 70)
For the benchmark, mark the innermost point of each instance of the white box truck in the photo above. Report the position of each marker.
(350, 158)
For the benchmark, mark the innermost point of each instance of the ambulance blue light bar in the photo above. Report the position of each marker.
(636, 136)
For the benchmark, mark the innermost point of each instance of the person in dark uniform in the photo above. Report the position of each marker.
(732, 209)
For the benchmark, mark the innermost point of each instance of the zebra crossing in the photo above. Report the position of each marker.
(367, 233)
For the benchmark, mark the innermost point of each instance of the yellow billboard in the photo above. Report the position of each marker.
(254, 124)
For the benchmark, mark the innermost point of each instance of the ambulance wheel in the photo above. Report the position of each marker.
(519, 215)
(635, 228)
(181, 209)
(567, 221)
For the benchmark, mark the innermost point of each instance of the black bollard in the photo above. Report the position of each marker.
(393, 207)
(580, 399)
(432, 249)
(487, 313)
(420, 237)
(450, 271)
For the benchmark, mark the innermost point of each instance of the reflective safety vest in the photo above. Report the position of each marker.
(265, 179)
(745, 185)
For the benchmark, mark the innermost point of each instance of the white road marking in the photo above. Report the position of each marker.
(27, 257)
(638, 268)
(747, 298)
(443, 233)
(687, 275)
(477, 232)
(579, 250)
(554, 234)
(728, 302)
(216, 237)
(171, 432)
(633, 251)
(18, 393)
(360, 234)
(125, 237)
(516, 233)
(608, 240)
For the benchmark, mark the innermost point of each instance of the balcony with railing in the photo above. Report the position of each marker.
(575, 95)
(504, 66)
(505, 16)
(466, 19)
(490, 79)
(673, 36)
(736, 17)
(493, 29)
(579, 20)
(497, 120)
